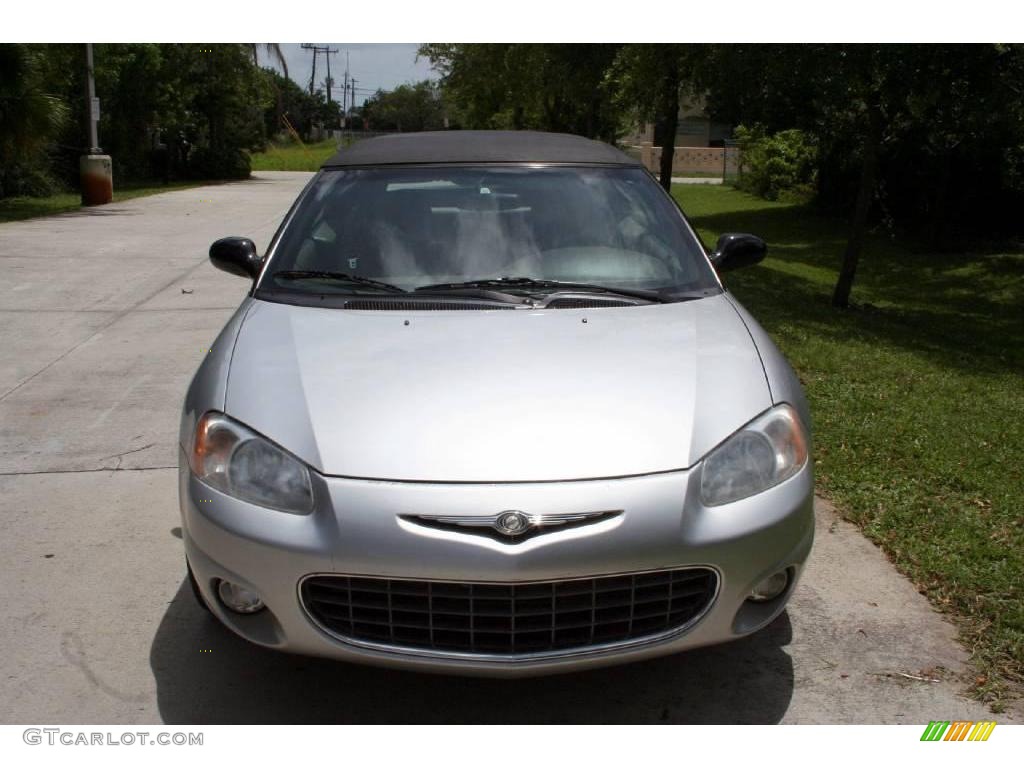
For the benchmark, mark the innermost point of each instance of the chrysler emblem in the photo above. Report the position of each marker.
(512, 523)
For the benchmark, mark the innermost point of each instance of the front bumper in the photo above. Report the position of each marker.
(357, 529)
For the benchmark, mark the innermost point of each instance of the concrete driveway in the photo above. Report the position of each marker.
(104, 315)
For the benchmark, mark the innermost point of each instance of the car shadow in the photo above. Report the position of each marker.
(106, 209)
(206, 674)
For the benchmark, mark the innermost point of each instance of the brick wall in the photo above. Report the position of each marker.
(691, 160)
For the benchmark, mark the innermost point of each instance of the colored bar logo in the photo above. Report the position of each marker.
(958, 730)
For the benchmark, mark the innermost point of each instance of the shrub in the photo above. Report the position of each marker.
(783, 163)
(219, 163)
(31, 179)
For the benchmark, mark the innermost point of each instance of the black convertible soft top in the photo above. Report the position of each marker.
(478, 147)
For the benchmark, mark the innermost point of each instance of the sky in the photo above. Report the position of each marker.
(373, 65)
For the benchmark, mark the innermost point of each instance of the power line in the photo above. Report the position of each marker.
(327, 51)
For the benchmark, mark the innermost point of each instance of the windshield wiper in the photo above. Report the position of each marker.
(341, 277)
(550, 286)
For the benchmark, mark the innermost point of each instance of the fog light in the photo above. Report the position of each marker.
(770, 588)
(239, 599)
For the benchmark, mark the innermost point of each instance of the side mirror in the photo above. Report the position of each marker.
(236, 255)
(736, 250)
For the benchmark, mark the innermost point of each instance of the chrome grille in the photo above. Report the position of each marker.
(508, 619)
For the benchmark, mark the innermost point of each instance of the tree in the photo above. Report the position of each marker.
(273, 50)
(292, 102)
(132, 108)
(221, 97)
(30, 118)
(924, 130)
(415, 107)
(548, 87)
(204, 102)
(648, 81)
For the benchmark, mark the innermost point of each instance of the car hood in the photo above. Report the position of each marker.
(496, 396)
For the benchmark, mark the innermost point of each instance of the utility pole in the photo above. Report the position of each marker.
(95, 169)
(329, 81)
(92, 113)
(327, 51)
(345, 104)
(312, 77)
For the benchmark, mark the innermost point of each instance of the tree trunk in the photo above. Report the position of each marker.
(278, 110)
(862, 209)
(669, 119)
(938, 228)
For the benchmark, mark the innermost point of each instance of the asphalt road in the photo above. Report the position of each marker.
(104, 315)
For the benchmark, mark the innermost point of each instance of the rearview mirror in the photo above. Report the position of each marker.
(735, 250)
(236, 255)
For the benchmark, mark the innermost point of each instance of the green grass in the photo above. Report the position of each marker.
(294, 157)
(284, 157)
(697, 174)
(18, 208)
(917, 397)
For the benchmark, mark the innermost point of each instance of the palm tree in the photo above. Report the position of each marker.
(29, 118)
(275, 53)
(273, 50)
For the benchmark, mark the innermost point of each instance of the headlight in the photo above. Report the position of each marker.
(235, 460)
(770, 449)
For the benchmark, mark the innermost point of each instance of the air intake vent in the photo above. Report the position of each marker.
(587, 303)
(405, 305)
(508, 619)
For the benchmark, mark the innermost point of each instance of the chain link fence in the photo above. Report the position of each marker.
(732, 169)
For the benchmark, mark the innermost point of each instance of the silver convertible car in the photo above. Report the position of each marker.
(487, 409)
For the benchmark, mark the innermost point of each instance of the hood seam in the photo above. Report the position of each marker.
(771, 395)
(231, 358)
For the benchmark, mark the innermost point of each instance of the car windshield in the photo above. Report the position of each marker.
(381, 230)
